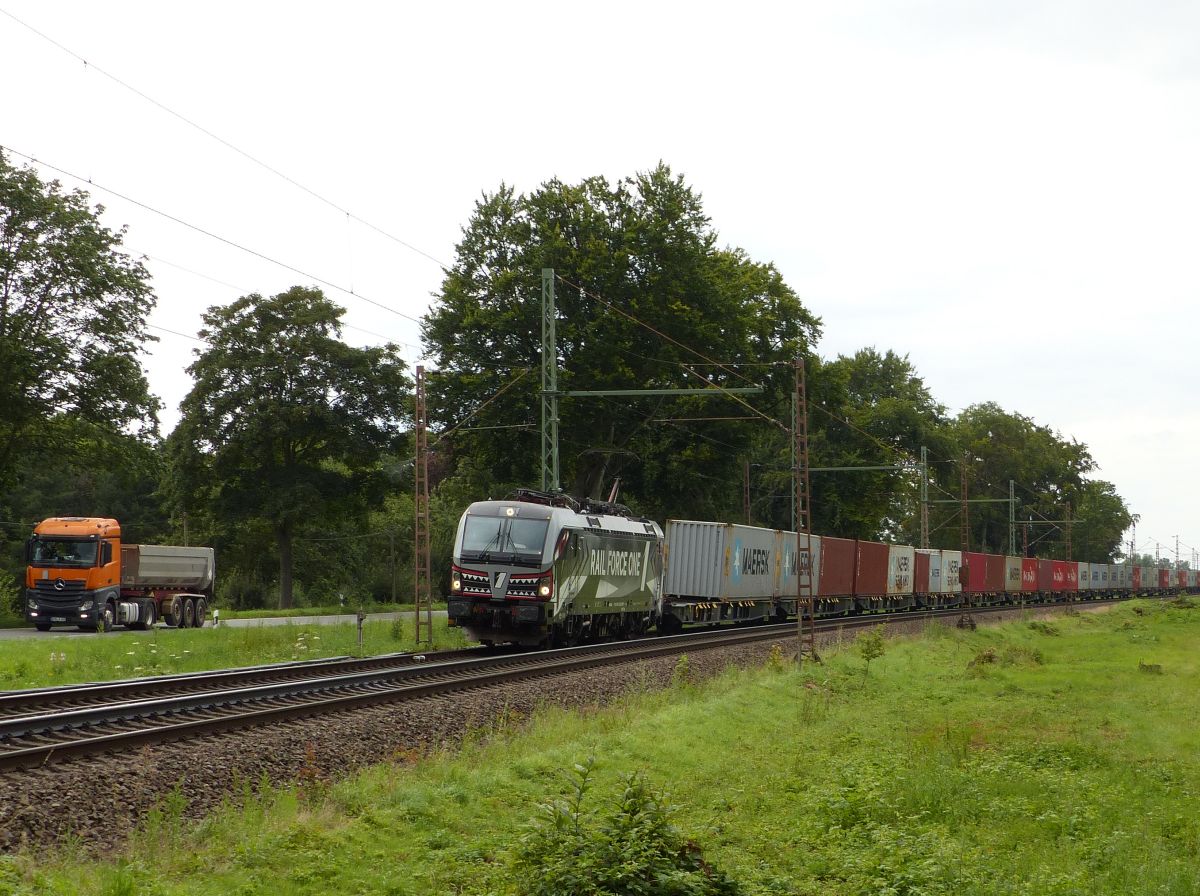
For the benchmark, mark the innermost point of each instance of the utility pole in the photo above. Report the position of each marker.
(964, 532)
(422, 586)
(1012, 517)
(924, 497)
(746, 491)
(1069, 551)
(804, 582)
(550, 479)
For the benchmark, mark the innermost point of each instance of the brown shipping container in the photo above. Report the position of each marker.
(1045, 579)
(995, 573)
(837, 567)
(871, 578)
(921, 576)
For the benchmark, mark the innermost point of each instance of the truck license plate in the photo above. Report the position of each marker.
(58, 618)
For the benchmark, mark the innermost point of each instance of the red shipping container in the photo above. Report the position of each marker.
(1181, 578)
(976, 579)
(1029, 574)
(837, 567)
(871, 575)
(1045, 576)
(1164, 578)
(1137, 578)
(1072, 576)
(921, 573)
(1061, 581)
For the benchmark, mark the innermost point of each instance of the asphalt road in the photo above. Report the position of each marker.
(7, 634)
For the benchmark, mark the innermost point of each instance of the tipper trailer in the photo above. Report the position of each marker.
(79, 573)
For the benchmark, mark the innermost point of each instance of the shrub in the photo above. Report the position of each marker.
(871, 646)
(627, 847)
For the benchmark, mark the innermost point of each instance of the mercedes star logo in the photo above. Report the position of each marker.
(59, 584)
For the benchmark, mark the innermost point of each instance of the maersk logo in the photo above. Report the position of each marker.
(750, 561)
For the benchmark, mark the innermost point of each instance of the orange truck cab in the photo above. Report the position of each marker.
(79, 573)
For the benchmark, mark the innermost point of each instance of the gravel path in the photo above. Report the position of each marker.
(99, 801)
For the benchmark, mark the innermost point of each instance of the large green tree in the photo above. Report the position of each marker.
(286, 425)
(73, 310)
(646, 298)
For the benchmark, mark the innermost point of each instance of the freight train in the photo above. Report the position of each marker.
(542, 569)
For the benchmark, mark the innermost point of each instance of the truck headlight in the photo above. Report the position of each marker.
(31, 603)
(87, 605)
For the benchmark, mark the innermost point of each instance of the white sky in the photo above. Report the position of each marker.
(1006, 192)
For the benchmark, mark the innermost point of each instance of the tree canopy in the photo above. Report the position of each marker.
(646, 298)
(73, 311)
(286, 425)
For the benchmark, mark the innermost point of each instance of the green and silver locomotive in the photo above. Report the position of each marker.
(542, 569)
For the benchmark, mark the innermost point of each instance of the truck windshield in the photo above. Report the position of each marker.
(63, 552)
(507, 539)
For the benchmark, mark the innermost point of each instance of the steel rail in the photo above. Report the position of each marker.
(248, 706)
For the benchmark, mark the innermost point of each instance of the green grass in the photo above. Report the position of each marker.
(1032, 758)
(57, 660)
(324, 610)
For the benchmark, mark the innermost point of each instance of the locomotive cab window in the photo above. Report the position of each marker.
(507, 539)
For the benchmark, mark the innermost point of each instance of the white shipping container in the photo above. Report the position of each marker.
(721, 561)
(810, 565)
(1012, 573)
(900, 569)
(951, 567)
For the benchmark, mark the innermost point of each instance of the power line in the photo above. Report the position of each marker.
(214, 236)
(228, 144)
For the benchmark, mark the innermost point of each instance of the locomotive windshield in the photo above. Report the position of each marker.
(62, 551)
(504, 540)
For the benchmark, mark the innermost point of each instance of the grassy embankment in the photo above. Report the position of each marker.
(56, 660)
(1046, 758)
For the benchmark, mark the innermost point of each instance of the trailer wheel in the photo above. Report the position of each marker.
(189, 613)
(201, 612)
(172, 611)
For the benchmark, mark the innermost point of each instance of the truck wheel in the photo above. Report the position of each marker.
(108, 619)
(149, 614)
(189, 613)
(201, 612)
(42, 626)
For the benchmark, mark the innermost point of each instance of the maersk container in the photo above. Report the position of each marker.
(837, 567)
(810, 565)
(1012, 574)
(901, 570)
(720, 561)
(871, 569)
(952, 570)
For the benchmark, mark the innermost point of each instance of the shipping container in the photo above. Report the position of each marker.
(900, 570)
(837, 567)
(1164, 579)
(1083, 575)
(952, 572)
(721, 561)
(1012, 574)
(927, 572)
(871, 574)
(975, 572)
(1045, 577)
(995, 574)
(1029, 574)
(1066, 576)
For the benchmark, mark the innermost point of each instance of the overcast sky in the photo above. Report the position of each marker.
(1008, 193)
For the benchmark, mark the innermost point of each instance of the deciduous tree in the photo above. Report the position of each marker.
(286, 424)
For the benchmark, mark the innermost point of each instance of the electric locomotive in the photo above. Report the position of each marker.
(541, 569)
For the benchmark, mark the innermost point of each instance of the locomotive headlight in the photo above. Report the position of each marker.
(456, 584)
(545, 589)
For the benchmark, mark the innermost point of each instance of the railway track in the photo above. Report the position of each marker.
(45, 726)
